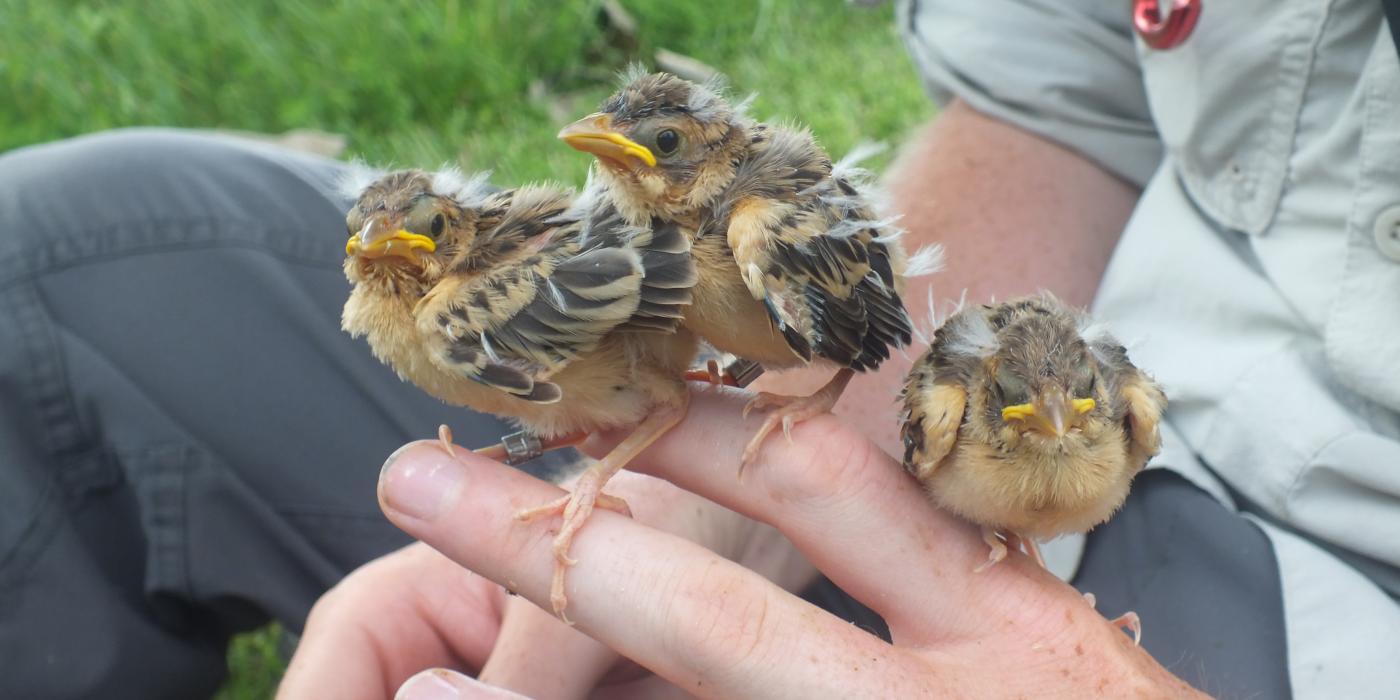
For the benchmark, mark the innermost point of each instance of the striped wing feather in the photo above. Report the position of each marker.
(512, 326)
(807, 244)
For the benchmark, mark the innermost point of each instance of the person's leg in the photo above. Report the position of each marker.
(188, 442)
(1204, 581)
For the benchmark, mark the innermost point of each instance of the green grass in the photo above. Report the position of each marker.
(255, 663)
(485, 83)
(420, 83)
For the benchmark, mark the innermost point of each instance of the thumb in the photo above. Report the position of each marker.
(442, 684)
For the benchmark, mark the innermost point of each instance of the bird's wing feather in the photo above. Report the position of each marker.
(514, 325)
(1145, 402)
(669, 273)
(933, 413)
(808, 245)
(1139, 400)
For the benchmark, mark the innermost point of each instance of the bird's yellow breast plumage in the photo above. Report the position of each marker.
(982, 462)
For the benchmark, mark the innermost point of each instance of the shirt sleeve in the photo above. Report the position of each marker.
(1067, 71)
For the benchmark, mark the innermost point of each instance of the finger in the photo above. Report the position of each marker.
(538, 655)
(392, 617)
(850, 508)
(649, 688)
(704, 623)
(442, 684)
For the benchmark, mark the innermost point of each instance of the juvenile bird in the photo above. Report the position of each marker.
(794, 265)
(528, 305)
(1029, 421)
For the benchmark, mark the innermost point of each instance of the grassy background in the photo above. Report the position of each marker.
(482, 82)
(418, 83)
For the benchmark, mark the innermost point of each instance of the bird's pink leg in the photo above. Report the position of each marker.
(588, 494)
(789, 410)
(1033, 549)
(499, 452)
(711, 375)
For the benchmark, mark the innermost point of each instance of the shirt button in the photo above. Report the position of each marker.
(1388, 233)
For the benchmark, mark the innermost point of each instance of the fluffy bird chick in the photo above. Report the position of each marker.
(524, 304)
(1030, 422)
(794, 265)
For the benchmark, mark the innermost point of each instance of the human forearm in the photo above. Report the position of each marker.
(1014, 211)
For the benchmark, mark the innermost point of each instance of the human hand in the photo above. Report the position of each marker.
(715, 629)
(415, 609)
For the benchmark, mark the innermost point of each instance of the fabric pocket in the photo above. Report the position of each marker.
(1226, 103)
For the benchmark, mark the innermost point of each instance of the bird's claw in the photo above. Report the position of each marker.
(790, 410)
(574, 511)
(560, 507)
(752, 449)
(993, 557)
(997, 550)
(1128, 620)
(555, 507)
(1131, 622)
(561, 554)
(557, 600)
(445, 439)
(767, 400)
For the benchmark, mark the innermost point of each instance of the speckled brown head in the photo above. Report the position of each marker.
(412, 227)
(665, 145)
(1032, 378)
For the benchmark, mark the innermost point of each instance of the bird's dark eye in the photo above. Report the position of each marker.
(1013, 391)
(1084, 382)
(667, 141)
(439, 221)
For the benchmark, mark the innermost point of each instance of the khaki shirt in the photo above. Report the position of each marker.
(1259, 277)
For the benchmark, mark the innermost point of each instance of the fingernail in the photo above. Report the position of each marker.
(441, 684)
(420, 480)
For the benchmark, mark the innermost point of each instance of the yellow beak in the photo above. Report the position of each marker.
(1052, 413)
(376, 240)
(595, 134)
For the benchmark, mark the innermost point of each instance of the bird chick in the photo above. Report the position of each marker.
(528, 305)
(794, 264)
(1027, 420)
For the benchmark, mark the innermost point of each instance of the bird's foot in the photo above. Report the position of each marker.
(788, 411)
(997, 550)
(558, 507)
(1031, 548)
(588, 494)
(575, 509)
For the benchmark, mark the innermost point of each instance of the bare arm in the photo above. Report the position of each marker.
(1015, 213)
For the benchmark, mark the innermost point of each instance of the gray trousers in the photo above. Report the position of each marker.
(189, 445)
